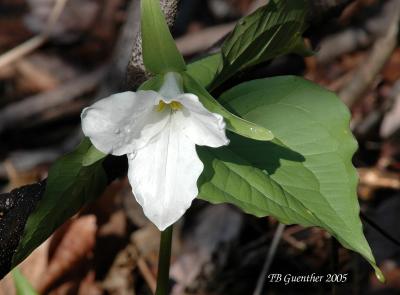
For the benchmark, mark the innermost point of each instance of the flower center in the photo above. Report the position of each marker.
(174, 105)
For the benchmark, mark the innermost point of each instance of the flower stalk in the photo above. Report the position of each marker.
(164, 260)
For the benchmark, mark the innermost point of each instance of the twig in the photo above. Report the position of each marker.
(202, 40)
(199, 41)
(22, 50)
(147, 275)
(391, 122)
(381, 51)
(270, 258)
(29, 107)
(54, 15)
(36, 41)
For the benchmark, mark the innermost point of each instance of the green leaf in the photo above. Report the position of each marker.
(305, 175)
(160, 54)
(233, 122)
(272, 30)
(70, 186)
(21, 284)
(92, 156)
(155, 83)
(205, 70)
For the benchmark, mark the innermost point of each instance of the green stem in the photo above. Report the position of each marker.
(164, 260)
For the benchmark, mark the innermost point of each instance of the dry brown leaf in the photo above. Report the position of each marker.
(391, 71)
(32, 268)
(67, 288)
(89, 286)
(119, 279)
(77, 244)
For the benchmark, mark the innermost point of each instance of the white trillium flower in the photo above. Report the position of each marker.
(159, 132)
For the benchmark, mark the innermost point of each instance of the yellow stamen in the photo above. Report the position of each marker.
(174, 105)
(161, 106)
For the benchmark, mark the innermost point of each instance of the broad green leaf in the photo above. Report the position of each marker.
(21, 284)
(305, 175)
(160, 54)
(233, 122)
(155, 83)
(272, 30)
(205, 70)
(70, 186)
(92, 156)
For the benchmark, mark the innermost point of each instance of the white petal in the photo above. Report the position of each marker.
(124, 122)
(164, 176)
(199, 124)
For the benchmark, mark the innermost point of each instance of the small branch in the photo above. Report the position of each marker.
(270, 258)
(35, 42)
(147, 274)
(202, 40)
(34, 105)
(22, 50)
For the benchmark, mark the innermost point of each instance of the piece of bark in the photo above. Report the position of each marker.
(15, 208)
(136, 73)
(115, 80)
